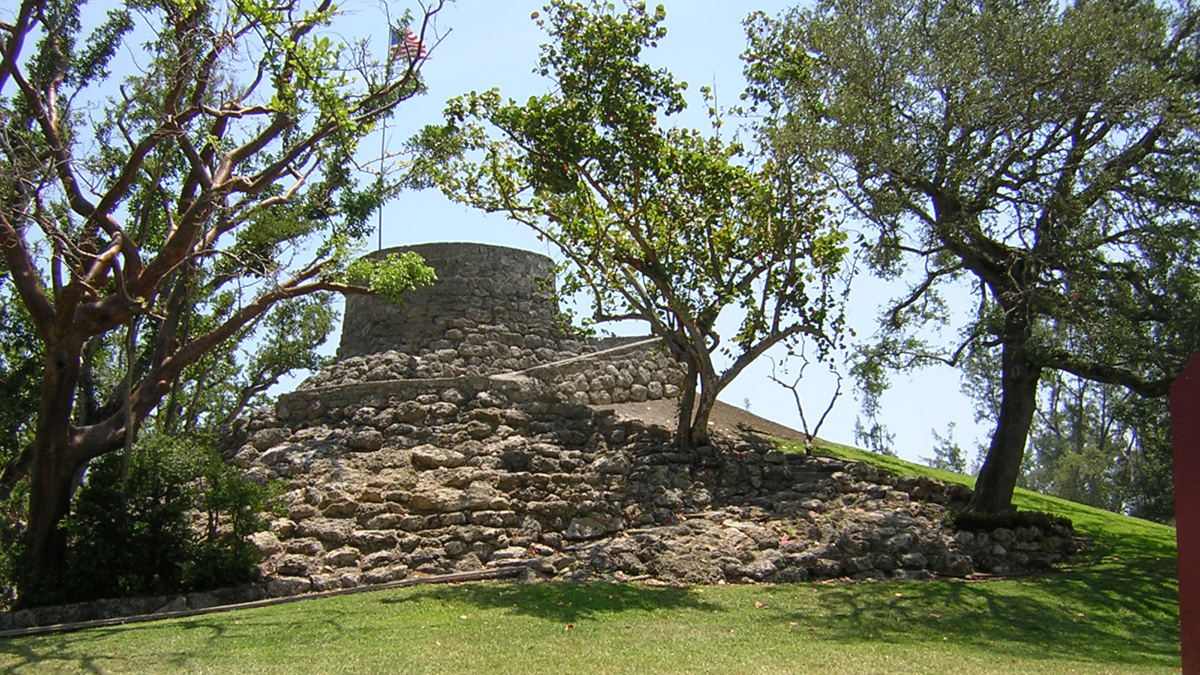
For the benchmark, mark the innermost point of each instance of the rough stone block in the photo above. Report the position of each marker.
(432, 457)
(265, 545)
(287, 586)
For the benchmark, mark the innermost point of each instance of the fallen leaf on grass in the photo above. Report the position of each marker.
(759, 605)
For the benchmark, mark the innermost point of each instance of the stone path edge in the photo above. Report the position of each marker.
(505, 572)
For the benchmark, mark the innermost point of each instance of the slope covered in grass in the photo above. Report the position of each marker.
(1112, 611)
(1130, 540)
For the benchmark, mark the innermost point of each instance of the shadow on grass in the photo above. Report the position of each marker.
(565, 602)
(64, 651)
(179, 643)
(1103, 616)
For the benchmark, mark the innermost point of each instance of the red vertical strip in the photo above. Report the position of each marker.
(1185, 448)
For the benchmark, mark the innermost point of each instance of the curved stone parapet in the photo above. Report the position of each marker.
(485, 295)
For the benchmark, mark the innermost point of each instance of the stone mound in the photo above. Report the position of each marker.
(581, 493)
(466, 430)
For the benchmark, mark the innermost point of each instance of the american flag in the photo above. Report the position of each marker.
(407, 46)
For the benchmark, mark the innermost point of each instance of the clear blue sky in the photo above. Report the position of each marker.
(488, 44)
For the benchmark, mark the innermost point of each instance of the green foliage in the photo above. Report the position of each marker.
(166, 210)
(947, 454)
(13, 511)
(232, 507)
(129, 536)
(1150, 466)
(875, 437)
(234, 376)
(134, 534)
(20, 362)
(657, 223)
(1047, 162)
(1104, 446)
(393, 276)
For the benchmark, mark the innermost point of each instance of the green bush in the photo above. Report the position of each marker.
(232, 506)
(129, 536)
(228, 561)
(133, 535)
(12, 524)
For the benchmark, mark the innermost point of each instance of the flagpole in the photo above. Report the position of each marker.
(382, 154)
(410, 46)
(391, 55)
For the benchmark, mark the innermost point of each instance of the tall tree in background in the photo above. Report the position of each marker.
(214, 183)
(659, 224)
(1090, 442)
(1080, 449)
(1043, 155)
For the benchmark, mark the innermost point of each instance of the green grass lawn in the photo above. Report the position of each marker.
(1113, 611)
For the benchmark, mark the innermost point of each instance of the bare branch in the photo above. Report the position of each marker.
(794, 387)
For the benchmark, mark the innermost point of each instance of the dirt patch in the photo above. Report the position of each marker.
(726, 419)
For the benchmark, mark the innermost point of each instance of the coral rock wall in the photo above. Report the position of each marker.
(466, 429)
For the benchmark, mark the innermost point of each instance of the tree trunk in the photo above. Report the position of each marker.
(44, 558)
(1018, 403)
(51, 476)
(704, 406)
(687, 404)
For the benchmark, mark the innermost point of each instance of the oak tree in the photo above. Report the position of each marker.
(172, 207)
(1043, 155)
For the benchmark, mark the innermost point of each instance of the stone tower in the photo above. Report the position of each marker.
(484, 294)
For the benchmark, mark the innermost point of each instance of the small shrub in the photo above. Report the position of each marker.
(133, 535)
(228, 561)
(232, 506)
(129, 536)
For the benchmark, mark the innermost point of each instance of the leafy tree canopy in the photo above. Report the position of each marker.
(161, 214)
(1042, 154)
(657, 223)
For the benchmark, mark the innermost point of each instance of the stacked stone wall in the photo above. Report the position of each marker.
(612, 371)
(465, 429)
(488, 474)
(496, 472)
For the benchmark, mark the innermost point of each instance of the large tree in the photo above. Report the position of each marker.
(1041, 155)
(664, 225)
(218, 174)
(1090, 442)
